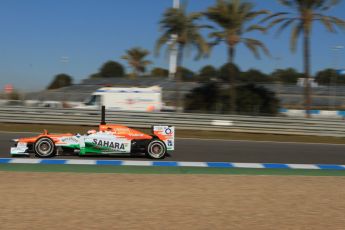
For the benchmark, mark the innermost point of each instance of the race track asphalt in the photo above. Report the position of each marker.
(229, 151)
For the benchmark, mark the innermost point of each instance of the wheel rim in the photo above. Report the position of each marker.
(44, 148)
(157, 150)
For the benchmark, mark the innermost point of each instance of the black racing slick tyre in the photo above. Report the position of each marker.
(45, 148)
(156, 149)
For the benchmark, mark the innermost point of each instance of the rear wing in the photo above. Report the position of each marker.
(166, 134)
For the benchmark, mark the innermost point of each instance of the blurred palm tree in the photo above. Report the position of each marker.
(176, 23)
(233, 18)
(136, 60)
(305, 12)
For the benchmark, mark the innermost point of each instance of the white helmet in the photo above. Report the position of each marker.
(92, 131)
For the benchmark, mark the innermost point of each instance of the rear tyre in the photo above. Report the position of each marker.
(156, 149)
(45, 148)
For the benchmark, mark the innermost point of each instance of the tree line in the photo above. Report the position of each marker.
(209, 73)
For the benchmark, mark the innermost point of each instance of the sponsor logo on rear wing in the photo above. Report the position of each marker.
(166, 134)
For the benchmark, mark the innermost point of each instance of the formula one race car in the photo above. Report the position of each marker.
(110, 139)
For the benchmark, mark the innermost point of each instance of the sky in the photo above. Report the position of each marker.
(36, 36)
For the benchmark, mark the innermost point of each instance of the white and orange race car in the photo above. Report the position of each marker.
(108, 140)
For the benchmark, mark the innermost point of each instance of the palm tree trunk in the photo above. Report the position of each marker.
(307, 88)
(179, 104)
(232, 87)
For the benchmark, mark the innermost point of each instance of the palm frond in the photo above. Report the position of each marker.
(327, 22)
(218, 37)
(195, 16)
(252, 15)
(315, 7)
(163, 40)
(234, 18)
(271, 16)
(329, 4)
(181, 24)
(337, 21)
(296, 31)
(286, 24)
(277, 21)
(289, 3)
(330, 22)
(202, 47)
(256, 28)
(136, 59)
(217, 34)
(255, 46)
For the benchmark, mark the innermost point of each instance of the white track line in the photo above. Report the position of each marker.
(192, 164)
(25, 161)
(81, 162)
(137, 163)
(248, 165)
(302, 166)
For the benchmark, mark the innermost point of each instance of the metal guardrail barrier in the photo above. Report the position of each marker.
(208, 122)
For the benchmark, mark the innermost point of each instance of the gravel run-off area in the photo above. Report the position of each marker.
(31, 200)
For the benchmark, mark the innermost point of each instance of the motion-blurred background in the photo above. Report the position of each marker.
(209, 56)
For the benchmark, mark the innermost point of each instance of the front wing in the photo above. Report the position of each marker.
(20, 149)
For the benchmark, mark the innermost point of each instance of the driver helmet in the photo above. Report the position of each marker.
(92, 131)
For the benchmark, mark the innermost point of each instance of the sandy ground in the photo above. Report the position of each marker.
(120, 201)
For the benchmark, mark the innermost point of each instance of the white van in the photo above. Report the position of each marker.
(126, 99)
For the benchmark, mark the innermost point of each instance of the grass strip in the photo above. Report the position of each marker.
(165, 170)
(179, 133)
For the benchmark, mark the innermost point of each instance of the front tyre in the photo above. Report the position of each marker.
(156, 149)
(45, 148)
